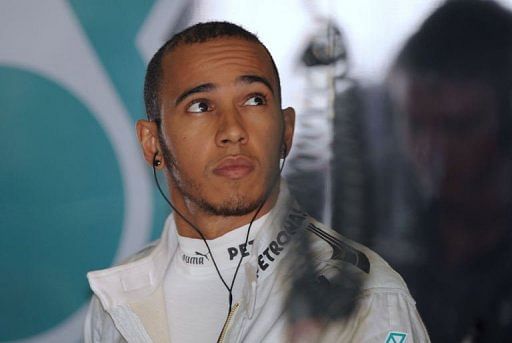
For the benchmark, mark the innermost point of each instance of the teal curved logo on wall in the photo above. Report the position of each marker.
(61, 192)
(75, 193)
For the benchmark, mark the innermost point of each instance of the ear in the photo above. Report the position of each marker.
(289, 127)
(147, 133)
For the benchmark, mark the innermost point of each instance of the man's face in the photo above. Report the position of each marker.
(222, 131)
(451, 132)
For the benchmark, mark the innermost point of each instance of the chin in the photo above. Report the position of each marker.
(235, 206)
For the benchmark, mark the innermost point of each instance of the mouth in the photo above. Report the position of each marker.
(234, 167)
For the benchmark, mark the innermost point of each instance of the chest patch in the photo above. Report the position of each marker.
(396, 337)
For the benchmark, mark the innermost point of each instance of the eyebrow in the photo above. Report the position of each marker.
(208, 87)
(248, 79)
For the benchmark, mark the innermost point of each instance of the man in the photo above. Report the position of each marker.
(217, 130)
(453, 85)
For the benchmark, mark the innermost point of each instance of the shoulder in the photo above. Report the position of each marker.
(144, 252)
(385, 309)
(98, 325)
(331, 248)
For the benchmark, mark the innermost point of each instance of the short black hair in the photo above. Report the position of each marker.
(462, 39)
(466, 40)
(198, 33)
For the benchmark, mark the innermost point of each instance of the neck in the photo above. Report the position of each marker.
(478, 219)
(211, 225)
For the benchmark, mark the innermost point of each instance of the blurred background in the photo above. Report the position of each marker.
(402, 143)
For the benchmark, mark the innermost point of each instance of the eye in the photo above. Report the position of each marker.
(255, 100)
(199, 107)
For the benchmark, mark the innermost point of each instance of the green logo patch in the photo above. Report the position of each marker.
(396, 337)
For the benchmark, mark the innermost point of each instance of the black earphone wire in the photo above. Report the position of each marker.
(192, 225)
(228, 288)
(254, 217)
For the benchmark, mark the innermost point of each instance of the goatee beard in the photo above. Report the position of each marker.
(234, 208)
(237, 205)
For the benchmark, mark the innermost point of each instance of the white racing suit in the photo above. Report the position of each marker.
(128, 302)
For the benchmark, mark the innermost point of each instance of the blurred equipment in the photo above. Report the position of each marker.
(315, 300)
(326, 47)
(308, 171)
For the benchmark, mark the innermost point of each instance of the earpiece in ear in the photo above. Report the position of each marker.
(156, 163)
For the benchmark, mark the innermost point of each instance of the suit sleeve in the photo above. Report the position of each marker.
(98, 325)
(382, 316)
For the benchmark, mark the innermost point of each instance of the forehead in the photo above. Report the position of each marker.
(449, 97)
(215, 61)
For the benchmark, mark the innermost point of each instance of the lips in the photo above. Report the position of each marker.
(234, 167)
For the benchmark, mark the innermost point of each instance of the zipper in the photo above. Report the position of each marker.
(226, 324)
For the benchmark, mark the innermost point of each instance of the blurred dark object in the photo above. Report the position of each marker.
(451, 88)
(326, 47)
(308, 186)
(313, 296)
(308, 174)
(314, 299)
(352, 197)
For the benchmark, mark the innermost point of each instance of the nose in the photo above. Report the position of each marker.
(430, 141)
(423, 144)
(231, 129)
(428, 148)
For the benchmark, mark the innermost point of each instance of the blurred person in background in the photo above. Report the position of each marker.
(451, 87)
